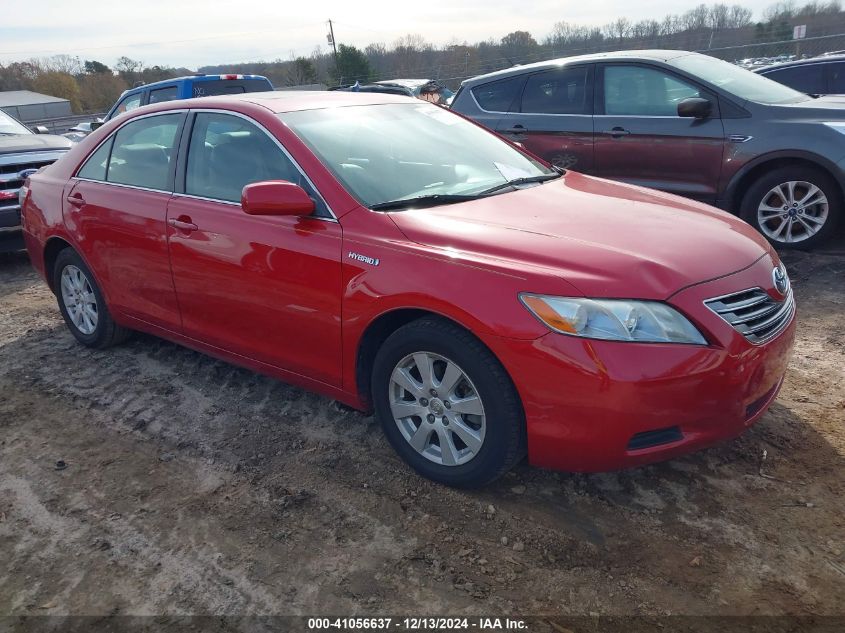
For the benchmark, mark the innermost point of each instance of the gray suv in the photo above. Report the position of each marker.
(685, 123)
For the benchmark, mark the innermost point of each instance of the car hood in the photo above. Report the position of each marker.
(607, 239)
(33, 143)
(825, 106)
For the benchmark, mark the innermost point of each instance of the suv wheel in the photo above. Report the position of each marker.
(793, 207)
(447, 405)
(82, 305)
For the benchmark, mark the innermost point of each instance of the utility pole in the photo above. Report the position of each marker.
(332, 42)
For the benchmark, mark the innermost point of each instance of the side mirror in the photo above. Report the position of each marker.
(695, 107)
(276, 197)
(40, 129)
(95, 125)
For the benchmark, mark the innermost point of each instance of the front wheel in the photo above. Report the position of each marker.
(793, 207)
(446, 404)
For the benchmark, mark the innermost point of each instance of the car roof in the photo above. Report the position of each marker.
(650, 55)
(285, 101)
(821, 59)
(176, 80)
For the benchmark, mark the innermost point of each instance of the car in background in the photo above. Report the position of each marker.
(682, 122)
(22, 153)
(187, 88)
(393, 255)
(404, 87)
(824, 75)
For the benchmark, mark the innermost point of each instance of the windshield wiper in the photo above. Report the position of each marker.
(520, 181)
(423, 201)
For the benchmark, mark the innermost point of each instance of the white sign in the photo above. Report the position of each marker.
(799, 32)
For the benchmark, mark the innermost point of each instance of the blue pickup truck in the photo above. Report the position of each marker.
(187, 88)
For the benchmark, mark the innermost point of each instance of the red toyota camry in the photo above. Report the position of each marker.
(397, 257)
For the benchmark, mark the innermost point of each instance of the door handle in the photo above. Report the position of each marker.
(76, 199)
(183, 224)
(618, 132)
(516, 129)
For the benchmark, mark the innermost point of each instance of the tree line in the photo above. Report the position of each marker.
(92, 86)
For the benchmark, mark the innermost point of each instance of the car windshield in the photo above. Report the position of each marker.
(9, 126)
(741, 83)
(392, 152)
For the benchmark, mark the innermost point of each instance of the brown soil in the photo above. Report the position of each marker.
(195, 487)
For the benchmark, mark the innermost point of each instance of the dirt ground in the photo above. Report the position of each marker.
(191, 486)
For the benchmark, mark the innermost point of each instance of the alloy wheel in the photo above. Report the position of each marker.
(792, 211)
(437, 408)
(79, 299)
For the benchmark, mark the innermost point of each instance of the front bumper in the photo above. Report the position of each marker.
(598, 405)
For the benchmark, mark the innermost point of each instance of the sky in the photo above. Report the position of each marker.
(193, 33)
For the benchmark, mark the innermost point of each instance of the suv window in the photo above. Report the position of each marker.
(836, 77)
(562, 91)
(143, 152)
(160, 95)
(499, 96)
(129, 103)
(807, 78)
(227, 152)
(230, 87)
(641, 91)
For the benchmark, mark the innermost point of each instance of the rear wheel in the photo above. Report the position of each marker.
(793, 207)
(82, 304)
(446, 404)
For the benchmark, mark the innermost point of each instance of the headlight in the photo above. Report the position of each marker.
(613, 319)
(839, 126)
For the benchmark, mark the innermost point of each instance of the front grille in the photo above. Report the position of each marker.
(648, 439)
(754, 314)
(10, 181)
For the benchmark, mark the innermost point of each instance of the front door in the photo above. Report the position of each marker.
(117, 206)
(553, 118)
(266, 288)
(640, 139)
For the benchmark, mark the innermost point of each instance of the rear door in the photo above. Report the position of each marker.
(640, 139)
(554, 117)
(266, 288)
(117, 209)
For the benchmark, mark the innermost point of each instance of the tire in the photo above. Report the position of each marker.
(495, 439)
(74, 284)
(790, 228)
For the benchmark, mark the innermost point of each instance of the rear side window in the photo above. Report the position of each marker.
(230, 87)
(836, 76)
(499, 96)
(226, 153)
(143, 152)
(808, 79)
(96, 165)
(561, 91)
(159, 95)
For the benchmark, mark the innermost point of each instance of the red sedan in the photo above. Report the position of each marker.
(397, 257)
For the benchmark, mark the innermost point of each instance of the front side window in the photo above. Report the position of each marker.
(143, 152)
(129, 103)
(560, 91)
(227, 152)
(499, 96)
(401, 151)
(642, 91)
(160, 95)
(808, 79)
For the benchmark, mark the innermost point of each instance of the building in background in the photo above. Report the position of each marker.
(28, 106)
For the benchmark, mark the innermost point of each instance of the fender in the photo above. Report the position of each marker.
(729, 194)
